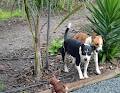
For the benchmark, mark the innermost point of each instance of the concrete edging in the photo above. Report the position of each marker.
(78, 84)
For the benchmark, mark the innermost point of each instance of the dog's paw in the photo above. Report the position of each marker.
(82, 77)
(98, 72)
(66, 70)
(86, 76)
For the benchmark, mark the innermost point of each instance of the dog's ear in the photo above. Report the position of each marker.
(82, 46)
(93, 35)
(103, 40)
(93, 47)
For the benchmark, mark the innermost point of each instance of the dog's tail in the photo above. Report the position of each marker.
(66, 31)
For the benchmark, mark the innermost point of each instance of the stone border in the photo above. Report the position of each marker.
(78, 84)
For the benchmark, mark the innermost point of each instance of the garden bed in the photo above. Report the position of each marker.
(16, 66)
(19, 68)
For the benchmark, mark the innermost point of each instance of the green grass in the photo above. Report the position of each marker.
(5, 14)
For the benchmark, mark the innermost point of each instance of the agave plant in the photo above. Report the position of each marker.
(106, 21)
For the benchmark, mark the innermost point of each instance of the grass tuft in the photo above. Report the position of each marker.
(5, 14)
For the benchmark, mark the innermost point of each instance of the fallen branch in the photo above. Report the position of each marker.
(17, 58)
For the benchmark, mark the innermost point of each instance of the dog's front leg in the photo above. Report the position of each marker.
(79, 68)
(85, 69)
(79, 72)
(96, 62)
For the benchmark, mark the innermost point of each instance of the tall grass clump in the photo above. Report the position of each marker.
(59, 5)
(106, 21)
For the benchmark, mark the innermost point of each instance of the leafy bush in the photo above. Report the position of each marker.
(55, 45)
(57, 6)
(106, 22)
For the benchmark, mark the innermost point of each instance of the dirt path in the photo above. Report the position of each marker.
(14, 34)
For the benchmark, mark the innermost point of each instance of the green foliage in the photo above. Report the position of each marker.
(57, 5)
(55, 45)
(106, 22)
(4, 14)
(67, 16)
(118, 75)
(2, 86)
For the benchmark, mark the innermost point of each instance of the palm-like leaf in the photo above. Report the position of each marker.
(106, 20)
(67, 16)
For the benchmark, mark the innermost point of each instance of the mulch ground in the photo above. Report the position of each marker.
(16, 70)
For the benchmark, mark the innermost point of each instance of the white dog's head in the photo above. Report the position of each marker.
(86, 51)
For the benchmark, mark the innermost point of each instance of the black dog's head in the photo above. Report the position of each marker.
(86, 51)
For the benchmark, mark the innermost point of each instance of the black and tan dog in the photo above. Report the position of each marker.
(79, 51)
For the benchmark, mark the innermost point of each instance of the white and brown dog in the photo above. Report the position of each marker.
(78, 51)
(96, 41)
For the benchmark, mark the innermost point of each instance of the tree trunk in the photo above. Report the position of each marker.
(37, 63)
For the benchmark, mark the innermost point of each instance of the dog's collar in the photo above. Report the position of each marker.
(86, 44)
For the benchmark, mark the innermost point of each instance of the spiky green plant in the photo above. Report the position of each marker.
(106, 22)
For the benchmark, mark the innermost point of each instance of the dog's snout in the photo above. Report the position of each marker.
(85, 59)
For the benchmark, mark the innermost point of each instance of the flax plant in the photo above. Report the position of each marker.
(106, 22)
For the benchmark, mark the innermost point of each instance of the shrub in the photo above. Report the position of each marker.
(106, 22)
(58, 5)
(55, 45)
